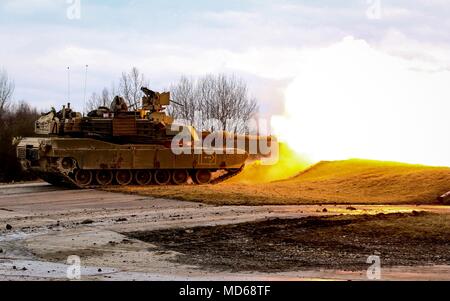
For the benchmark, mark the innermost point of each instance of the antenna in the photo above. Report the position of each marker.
(85, 84)
(68, 84)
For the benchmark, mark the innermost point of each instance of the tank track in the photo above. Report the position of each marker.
(226, 176)
(57, 179)
(66, 180)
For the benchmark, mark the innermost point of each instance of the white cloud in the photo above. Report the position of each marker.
(425, 55)
(399, 12)
(29, 7)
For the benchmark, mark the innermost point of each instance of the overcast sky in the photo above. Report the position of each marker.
(277, 46)
(259, 40)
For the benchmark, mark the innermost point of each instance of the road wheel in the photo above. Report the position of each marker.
(162, 177)
(124, 177)
(180, 176)
(143, 177)
(104, 177)
(202, 176)
(66, 165)
(83, 177)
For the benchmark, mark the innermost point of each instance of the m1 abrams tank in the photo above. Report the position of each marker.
(114, 146)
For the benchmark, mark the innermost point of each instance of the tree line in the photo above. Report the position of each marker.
(16, 120)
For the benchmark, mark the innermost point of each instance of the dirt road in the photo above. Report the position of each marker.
(42, 225)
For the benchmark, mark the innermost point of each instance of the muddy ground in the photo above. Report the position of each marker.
(195, 241)
(343, 242)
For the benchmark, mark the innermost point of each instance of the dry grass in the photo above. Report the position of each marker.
(338, 182)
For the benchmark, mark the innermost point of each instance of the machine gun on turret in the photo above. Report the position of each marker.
(155, 101)
(154, 104)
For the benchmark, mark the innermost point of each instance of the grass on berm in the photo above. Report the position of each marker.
(337, 182)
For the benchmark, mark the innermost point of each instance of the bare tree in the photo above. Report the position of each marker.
(130, 87)
(6, 91)
(185, 95)
(92, 103)
(17, 121)
(104, 100)
(105, 97)
(223, 102)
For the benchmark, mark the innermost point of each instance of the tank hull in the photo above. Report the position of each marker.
(67, 160)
